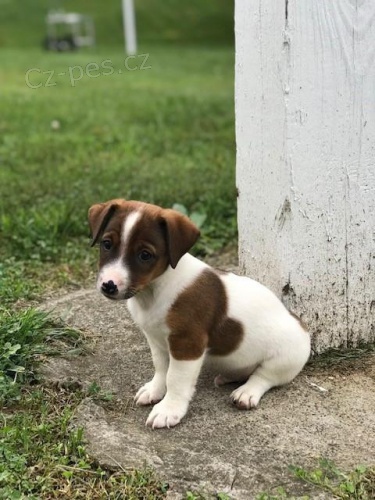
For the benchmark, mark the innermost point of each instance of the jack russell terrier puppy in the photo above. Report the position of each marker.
(191, 313)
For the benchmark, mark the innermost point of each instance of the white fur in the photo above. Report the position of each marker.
(129, 224)
(116, 270)
(274, 349)
(181, 380)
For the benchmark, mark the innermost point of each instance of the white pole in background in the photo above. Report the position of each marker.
(130, 34)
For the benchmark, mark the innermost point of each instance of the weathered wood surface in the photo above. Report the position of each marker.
(305, 129)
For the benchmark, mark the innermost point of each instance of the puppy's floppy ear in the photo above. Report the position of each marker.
(99, 215)
(181, 234)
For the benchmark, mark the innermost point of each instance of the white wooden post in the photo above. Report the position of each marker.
(130, 35)
(305, 130)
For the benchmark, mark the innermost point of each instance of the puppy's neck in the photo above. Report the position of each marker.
(146, 297)
(166, 287)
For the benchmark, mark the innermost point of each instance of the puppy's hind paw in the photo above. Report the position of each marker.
(245, 399)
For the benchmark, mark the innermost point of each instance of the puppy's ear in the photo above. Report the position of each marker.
(181, 234)
(99, 215)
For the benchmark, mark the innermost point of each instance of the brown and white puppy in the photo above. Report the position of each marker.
(191, 313)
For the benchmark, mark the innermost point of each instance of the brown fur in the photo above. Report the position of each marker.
(166, 234)
(198, 320)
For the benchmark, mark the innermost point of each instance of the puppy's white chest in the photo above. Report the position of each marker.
(151, 319)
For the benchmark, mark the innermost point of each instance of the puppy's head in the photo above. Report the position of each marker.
(138, 242)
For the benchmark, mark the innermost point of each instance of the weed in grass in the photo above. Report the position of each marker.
(26, 336)
(197, 217)
(358, 484)
(96, 392)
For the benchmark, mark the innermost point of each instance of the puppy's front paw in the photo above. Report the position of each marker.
(166, 414)
(149, 394)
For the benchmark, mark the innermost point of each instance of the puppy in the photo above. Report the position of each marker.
(191, 313)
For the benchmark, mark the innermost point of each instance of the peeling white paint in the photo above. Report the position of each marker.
(305, 127)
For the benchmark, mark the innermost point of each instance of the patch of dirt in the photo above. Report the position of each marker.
(226, 259)
(328, 411)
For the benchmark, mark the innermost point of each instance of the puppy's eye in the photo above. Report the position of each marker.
(106, 244)
(145, 256)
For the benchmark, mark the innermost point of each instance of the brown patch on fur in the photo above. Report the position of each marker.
(166, 234)
(198, 320)
(300, 321)
(181, 235)
(99, 216)
(112, 229)
(147, 234)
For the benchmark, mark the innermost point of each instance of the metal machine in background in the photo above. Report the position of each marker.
(68, 31)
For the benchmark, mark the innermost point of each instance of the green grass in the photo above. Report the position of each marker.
(43, 456)
(164, 135)
(357, 484)
(16, 282)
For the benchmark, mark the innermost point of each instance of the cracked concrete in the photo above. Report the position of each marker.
(217, 448)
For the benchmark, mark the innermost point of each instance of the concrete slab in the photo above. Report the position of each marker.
(217, 448)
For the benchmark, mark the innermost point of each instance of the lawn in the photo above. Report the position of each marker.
(162, 134)
(76, 129)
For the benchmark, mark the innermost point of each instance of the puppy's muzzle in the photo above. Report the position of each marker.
(109, 289)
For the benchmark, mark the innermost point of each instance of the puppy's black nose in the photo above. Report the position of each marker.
(109, 288)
